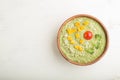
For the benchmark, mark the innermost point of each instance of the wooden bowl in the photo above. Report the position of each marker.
(78, 16)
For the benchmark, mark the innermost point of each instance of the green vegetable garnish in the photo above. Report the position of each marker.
(91, 51)
(97, 45)
(97, 36)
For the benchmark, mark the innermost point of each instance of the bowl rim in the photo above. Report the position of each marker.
(78, 16)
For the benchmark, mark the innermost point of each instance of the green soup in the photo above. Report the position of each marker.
(82, 40)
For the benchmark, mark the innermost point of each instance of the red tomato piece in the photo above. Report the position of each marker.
(88, 35)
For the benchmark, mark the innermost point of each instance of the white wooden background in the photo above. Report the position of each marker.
(28, 30)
